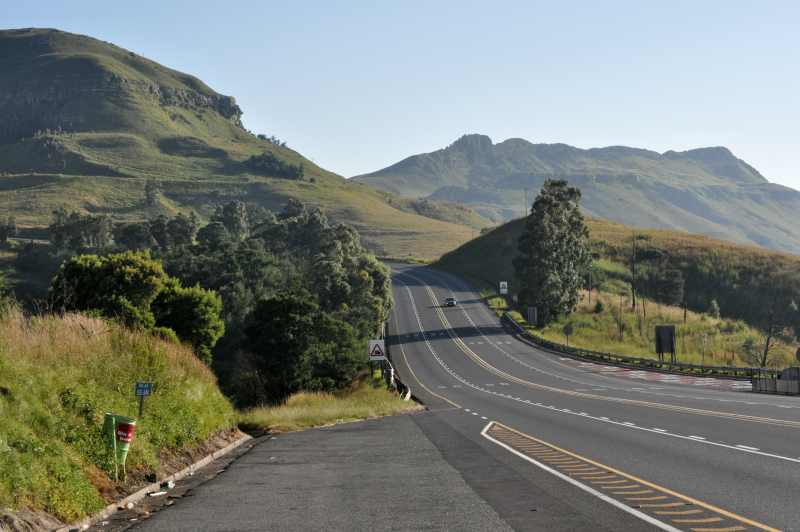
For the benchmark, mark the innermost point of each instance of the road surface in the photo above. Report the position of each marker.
(587, 447)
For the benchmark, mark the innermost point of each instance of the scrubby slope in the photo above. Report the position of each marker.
(58, 376)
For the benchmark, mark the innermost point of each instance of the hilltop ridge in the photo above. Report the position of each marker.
(86, 123)
(705, 190)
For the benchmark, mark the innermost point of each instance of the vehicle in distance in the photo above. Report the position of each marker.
(450, 302)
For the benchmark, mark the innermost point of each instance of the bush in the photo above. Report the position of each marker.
(599, 307)
(133, 288)
(193, 314)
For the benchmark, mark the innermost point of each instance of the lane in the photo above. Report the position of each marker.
(664, 446)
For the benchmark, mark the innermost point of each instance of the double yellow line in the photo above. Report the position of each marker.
(647, 404)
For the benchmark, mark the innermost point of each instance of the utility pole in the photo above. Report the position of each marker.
(633, 271)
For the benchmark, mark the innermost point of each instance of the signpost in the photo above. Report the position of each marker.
(503, 288)
(665, 342)
(143, 389)
(376, 351)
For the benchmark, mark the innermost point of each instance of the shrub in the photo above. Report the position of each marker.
(599, 307)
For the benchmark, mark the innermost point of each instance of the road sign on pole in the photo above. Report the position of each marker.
(503, 288)
(376, 351)
(143, 389)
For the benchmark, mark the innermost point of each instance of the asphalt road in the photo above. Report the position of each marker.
(590, 449)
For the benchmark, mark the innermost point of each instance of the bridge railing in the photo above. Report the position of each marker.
(730, 372)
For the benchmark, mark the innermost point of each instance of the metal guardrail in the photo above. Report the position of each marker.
(729, 372)
(390, 374)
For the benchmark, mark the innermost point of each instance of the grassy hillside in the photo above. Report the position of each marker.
(58, 376)
(741, 279)
(88, 122)
(702, 339)
(707, 191)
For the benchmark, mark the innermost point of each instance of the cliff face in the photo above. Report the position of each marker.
(54, 81)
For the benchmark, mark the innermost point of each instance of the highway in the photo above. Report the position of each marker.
(569, 446)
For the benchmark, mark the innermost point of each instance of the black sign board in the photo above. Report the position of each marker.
(665, 341)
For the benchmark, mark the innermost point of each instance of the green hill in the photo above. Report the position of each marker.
(86, 123)
(743, 280)
(707, 191)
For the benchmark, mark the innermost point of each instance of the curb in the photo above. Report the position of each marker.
(150, 488)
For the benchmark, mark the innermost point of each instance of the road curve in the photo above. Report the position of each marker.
(620, 452)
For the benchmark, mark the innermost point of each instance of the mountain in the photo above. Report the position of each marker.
(707, 191)
(86, 123)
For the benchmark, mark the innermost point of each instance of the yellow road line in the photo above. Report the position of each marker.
(649, 404)
(403, 353)
(687, 499)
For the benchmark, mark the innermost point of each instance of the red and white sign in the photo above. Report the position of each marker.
(376, 351)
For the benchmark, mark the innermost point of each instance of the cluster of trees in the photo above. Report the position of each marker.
(74, 231)
(307, 281)
(272, 139)
(762, 293)
(268, 164)
(133, 288)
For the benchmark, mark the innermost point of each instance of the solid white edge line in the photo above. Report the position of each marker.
(605, 498)
(740, 448)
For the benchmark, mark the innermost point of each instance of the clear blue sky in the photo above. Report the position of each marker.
(359, 85)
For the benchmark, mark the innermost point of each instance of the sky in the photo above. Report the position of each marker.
(356, 86)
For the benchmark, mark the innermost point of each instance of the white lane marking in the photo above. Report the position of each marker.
(697, 437)
(483, 418)
(467, 410)
(740, 448)
(603, 497)
(659, 430)
(668, 377)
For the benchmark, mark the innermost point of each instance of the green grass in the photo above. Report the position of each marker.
(58, 376)
(305, 410)
(600, 332)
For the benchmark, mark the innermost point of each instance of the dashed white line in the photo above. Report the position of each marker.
(748, 448)
(697, 437)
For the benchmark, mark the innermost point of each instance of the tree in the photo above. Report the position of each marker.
(553, 252)
(670, 286)
(133, 236)
(182, 230)
(160, 232)
(8, 228)
(781, 312)
(213, 236)
(278, 335)
(193, 314)
(713, 309)
(233, 216)
(121, 286)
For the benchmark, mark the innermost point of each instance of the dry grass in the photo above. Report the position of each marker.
(305, 410)
(724, 338)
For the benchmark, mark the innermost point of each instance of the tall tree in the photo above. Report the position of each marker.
(553, 252)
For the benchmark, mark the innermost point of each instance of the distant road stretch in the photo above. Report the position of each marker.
(580, 446)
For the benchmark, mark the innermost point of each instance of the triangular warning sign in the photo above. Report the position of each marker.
(376, 351)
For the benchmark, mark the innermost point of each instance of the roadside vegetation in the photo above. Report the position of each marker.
(367, 399)
(701, 339)
(743, 300)
(269, 313)
(59, 375)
